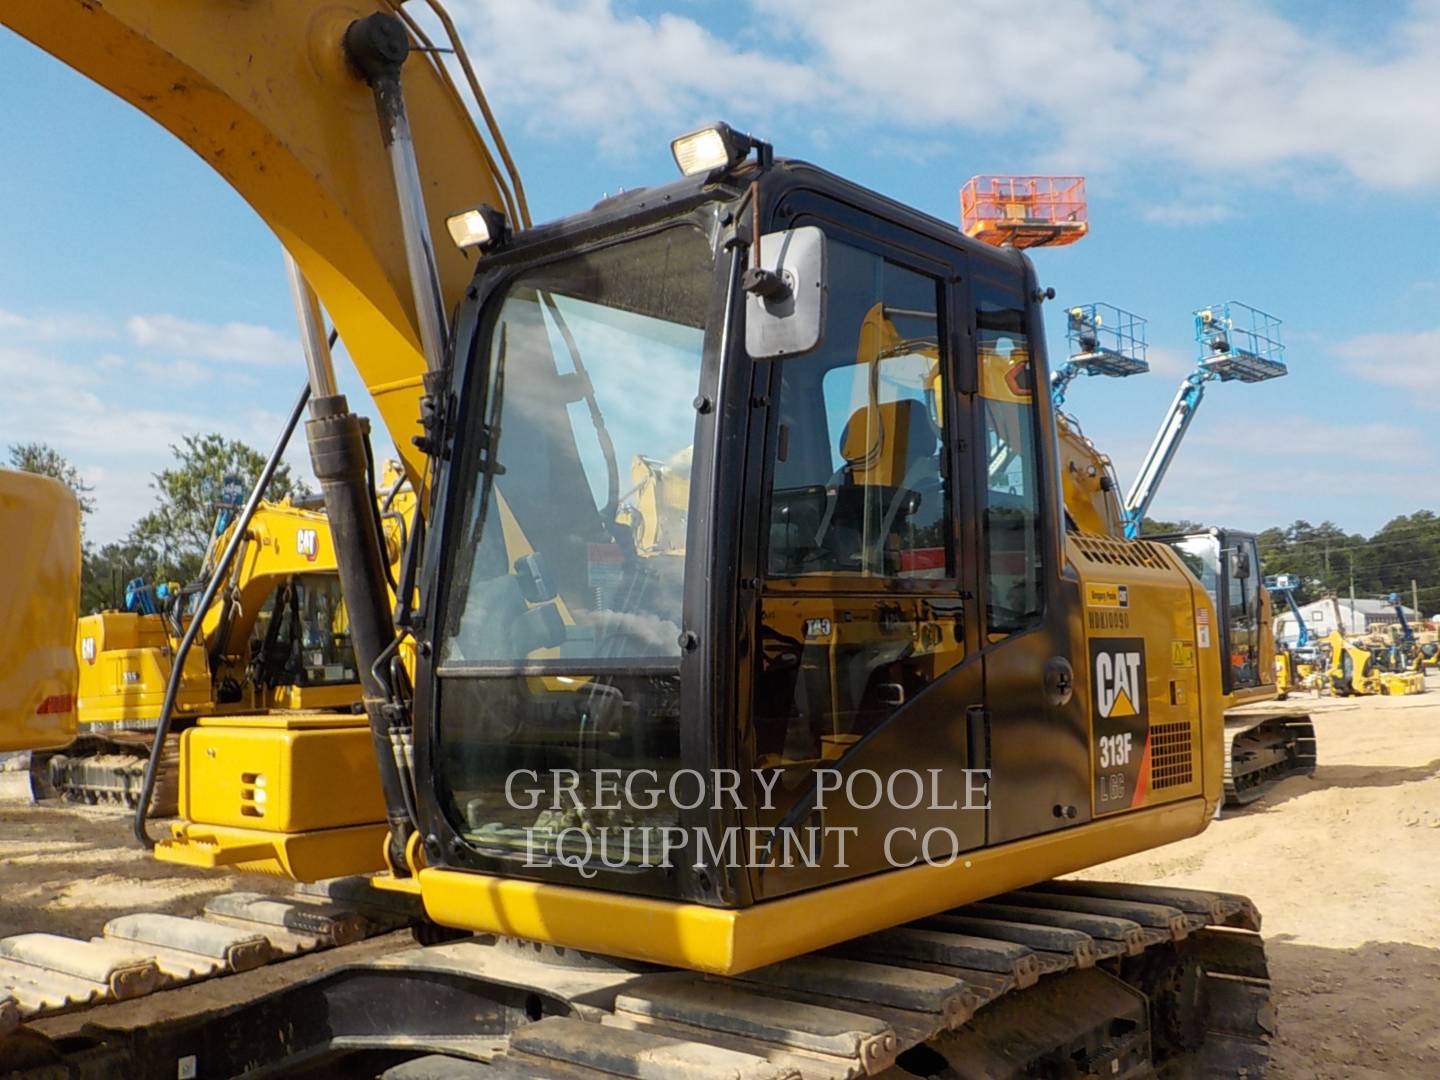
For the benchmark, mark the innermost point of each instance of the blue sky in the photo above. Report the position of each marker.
(1283, 154)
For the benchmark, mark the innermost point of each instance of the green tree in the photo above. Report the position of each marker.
(45, 460)
(179, 529)
(1151, 527)
(1319, 555)
(1406, 548)
(106, 571)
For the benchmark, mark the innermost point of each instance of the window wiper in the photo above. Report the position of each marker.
(490, 466)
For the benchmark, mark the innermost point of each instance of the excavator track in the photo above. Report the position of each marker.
(1263, 749)
(1065, 978)
(106, 768)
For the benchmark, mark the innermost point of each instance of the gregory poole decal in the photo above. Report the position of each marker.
(1121, 724)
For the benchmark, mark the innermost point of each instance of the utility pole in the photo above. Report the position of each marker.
(1352, 591)
(1415, 598)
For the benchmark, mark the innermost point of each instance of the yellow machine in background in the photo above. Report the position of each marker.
(275, 640)
(1351, 668)
(40, 524)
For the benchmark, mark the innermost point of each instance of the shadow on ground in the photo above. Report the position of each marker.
(1338, 776)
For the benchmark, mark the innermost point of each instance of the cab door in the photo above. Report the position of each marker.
(1035, 720)
(859, 687)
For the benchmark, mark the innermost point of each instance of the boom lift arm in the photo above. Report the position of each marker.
(1407, 632)
(1285, 585)
(1228, 352)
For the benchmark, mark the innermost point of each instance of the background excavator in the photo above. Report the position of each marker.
(275, 639)
(876, 581)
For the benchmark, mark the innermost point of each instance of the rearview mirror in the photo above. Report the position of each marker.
(787, 289)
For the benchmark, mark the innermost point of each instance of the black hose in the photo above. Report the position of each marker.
(172, 687)
(379, 522)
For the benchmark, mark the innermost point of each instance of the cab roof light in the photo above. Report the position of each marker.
(716, 147)
(482, 227)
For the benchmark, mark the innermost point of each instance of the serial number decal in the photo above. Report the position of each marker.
(1107, 619)
(1121, 722)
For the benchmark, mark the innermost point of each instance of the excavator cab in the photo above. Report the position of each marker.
(863, 556)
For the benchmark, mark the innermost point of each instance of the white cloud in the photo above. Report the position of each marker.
(583, 66)
(173, 372)
(1169, 362)
(1406, 360)
(74, 404)
(1180, 213)
(50, 328)
(231, 341)
(1240, 93)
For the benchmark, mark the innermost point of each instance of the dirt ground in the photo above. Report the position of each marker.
(1345, 868)
(66, 870)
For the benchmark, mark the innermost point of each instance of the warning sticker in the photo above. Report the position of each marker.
(1182, 654)
(1107, 596)
(1202, 628)
(1121, 723)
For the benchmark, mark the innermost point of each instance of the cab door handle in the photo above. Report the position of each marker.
(977, 737)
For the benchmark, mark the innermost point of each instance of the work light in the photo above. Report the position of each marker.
(480, 227)
(714, 146)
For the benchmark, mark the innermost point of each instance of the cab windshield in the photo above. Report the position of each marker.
(562, 634)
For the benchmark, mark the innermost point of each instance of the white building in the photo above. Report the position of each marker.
(1322, 617)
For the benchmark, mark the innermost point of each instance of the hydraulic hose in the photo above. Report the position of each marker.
(217, 576)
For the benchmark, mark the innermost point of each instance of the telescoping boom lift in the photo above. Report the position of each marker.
(1237, 343)
(1104, 340)
(1296, 662)
(795, 588)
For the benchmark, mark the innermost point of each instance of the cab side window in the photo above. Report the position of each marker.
(859, 475)
(1011, 526)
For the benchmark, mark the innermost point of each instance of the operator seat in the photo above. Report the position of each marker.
(890, 447)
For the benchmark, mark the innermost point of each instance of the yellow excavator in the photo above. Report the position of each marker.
(274, 639)
(777, 785)
(1269, 740)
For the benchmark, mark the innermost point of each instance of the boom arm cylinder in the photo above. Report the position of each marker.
(337, 454)
(377, 45)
